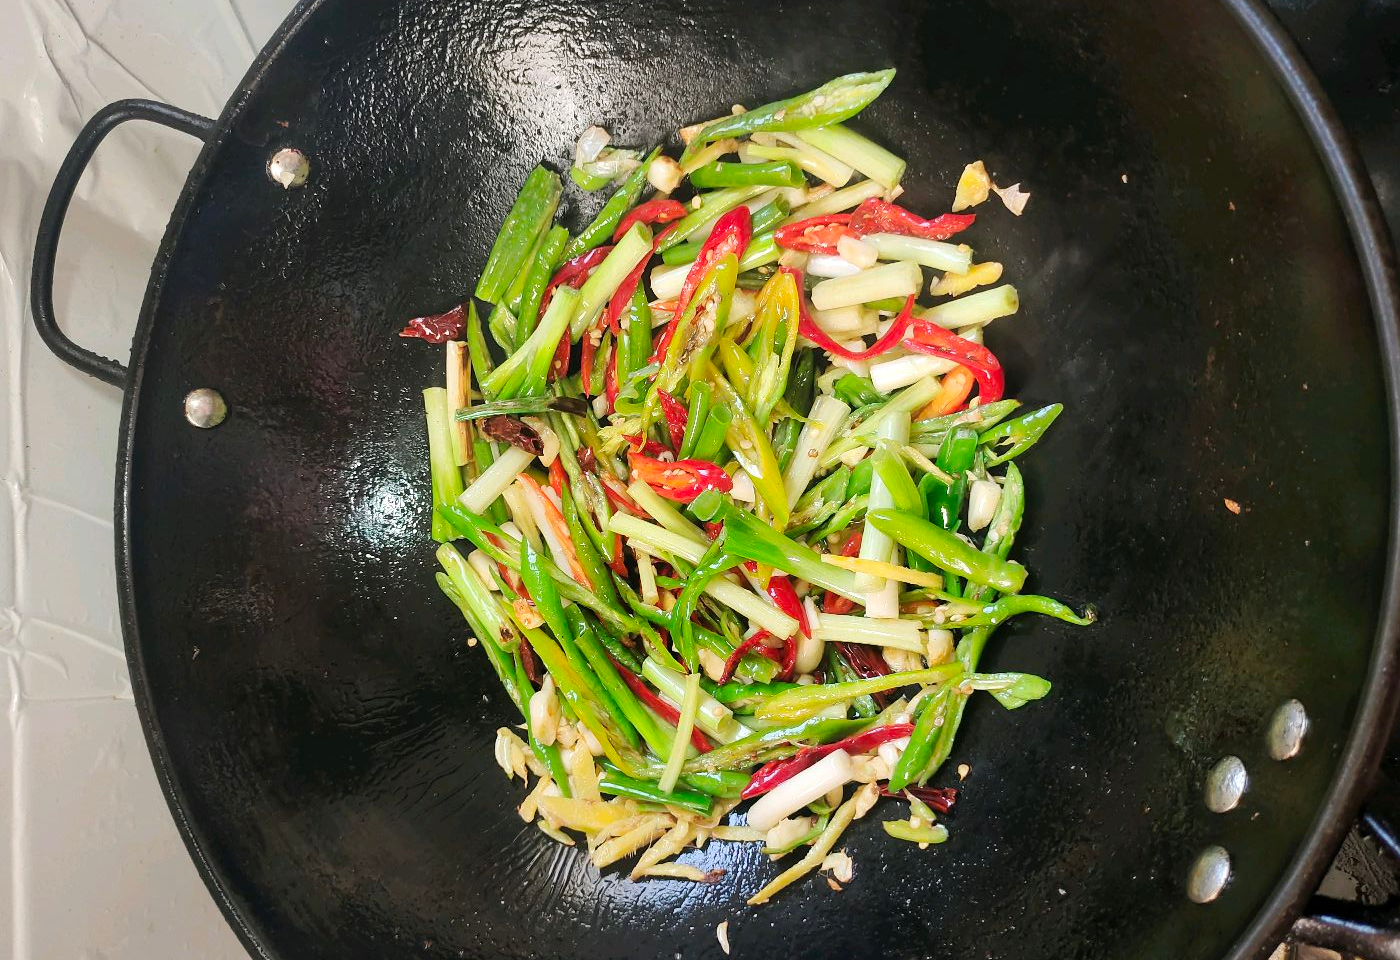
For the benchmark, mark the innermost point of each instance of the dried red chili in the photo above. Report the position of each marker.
(438, 328)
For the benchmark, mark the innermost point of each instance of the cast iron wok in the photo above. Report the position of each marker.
(1204, 286)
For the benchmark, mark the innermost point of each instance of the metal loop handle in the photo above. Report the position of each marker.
(1354, 929)
(56, 208)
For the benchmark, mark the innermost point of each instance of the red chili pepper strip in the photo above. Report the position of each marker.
(834, 602)
(752, 644)
(681, 481)
(731, 234)
(940, 799)
(651, 448)
(587, 352)
(574, 273)
(653, 211)
(618, 496)
(877, 216)
(612, 316)
(809, 329)
(557, 479)
(814, 235)
(560, 364)
(610, 387)
(785, 598)
(618, 563)
(439, 328)
(772, 774)
(930, 338)
(676, 417)
(667, 712)
(789, 662)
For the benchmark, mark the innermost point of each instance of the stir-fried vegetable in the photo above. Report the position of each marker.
(724, 534)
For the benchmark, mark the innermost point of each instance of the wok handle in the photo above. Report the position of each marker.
(56, 208)
(1356, 929)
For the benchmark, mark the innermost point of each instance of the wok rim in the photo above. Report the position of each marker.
(1375, 715)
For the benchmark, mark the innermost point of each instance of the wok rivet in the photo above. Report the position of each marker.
(289, 168)
(1209, 875)
(205, 408)
(1287, 730)
(1226, 784)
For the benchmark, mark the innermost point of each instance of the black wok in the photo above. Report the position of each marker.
(1205, 287)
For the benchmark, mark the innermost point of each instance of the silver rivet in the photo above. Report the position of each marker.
(1209, 875)
(205, 408)
(289, 168)
(1287, 730)
(1226, 784)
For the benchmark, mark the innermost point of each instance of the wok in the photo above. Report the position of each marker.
(1205, 285)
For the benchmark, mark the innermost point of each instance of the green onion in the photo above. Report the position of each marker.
(889, 280)
(802, 155)
(825, 421)
(447, 476)
(952, 257)
(685, 723)
(632, 249)
(975, 309)
(529, 216)
(847, 198)
(528, 366)
(865, 155)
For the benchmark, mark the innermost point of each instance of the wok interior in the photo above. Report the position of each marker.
(1189, 292)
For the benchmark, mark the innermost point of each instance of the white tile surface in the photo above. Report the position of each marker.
(91, 866)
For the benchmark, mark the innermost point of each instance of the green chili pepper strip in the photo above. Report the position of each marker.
(601, 229)
(1000, 535)
(598, 573)
(839, 670)
(475, 528)
(765, 218)
(530, 215)
(727, 693)
(807, 700)
(834, 101)
(904, 830)
(1022, 433)
(856, 391)
(775, 173)
(748, 441)
(550, 256)
(1008, 607)
(947, 551)
(712, 207)
(617, 784)
(801, 391)
(747, 751)
(547, 755)
(699, 409)
(922, 740)
(712, 563)
(626, 701)
(540, 586)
